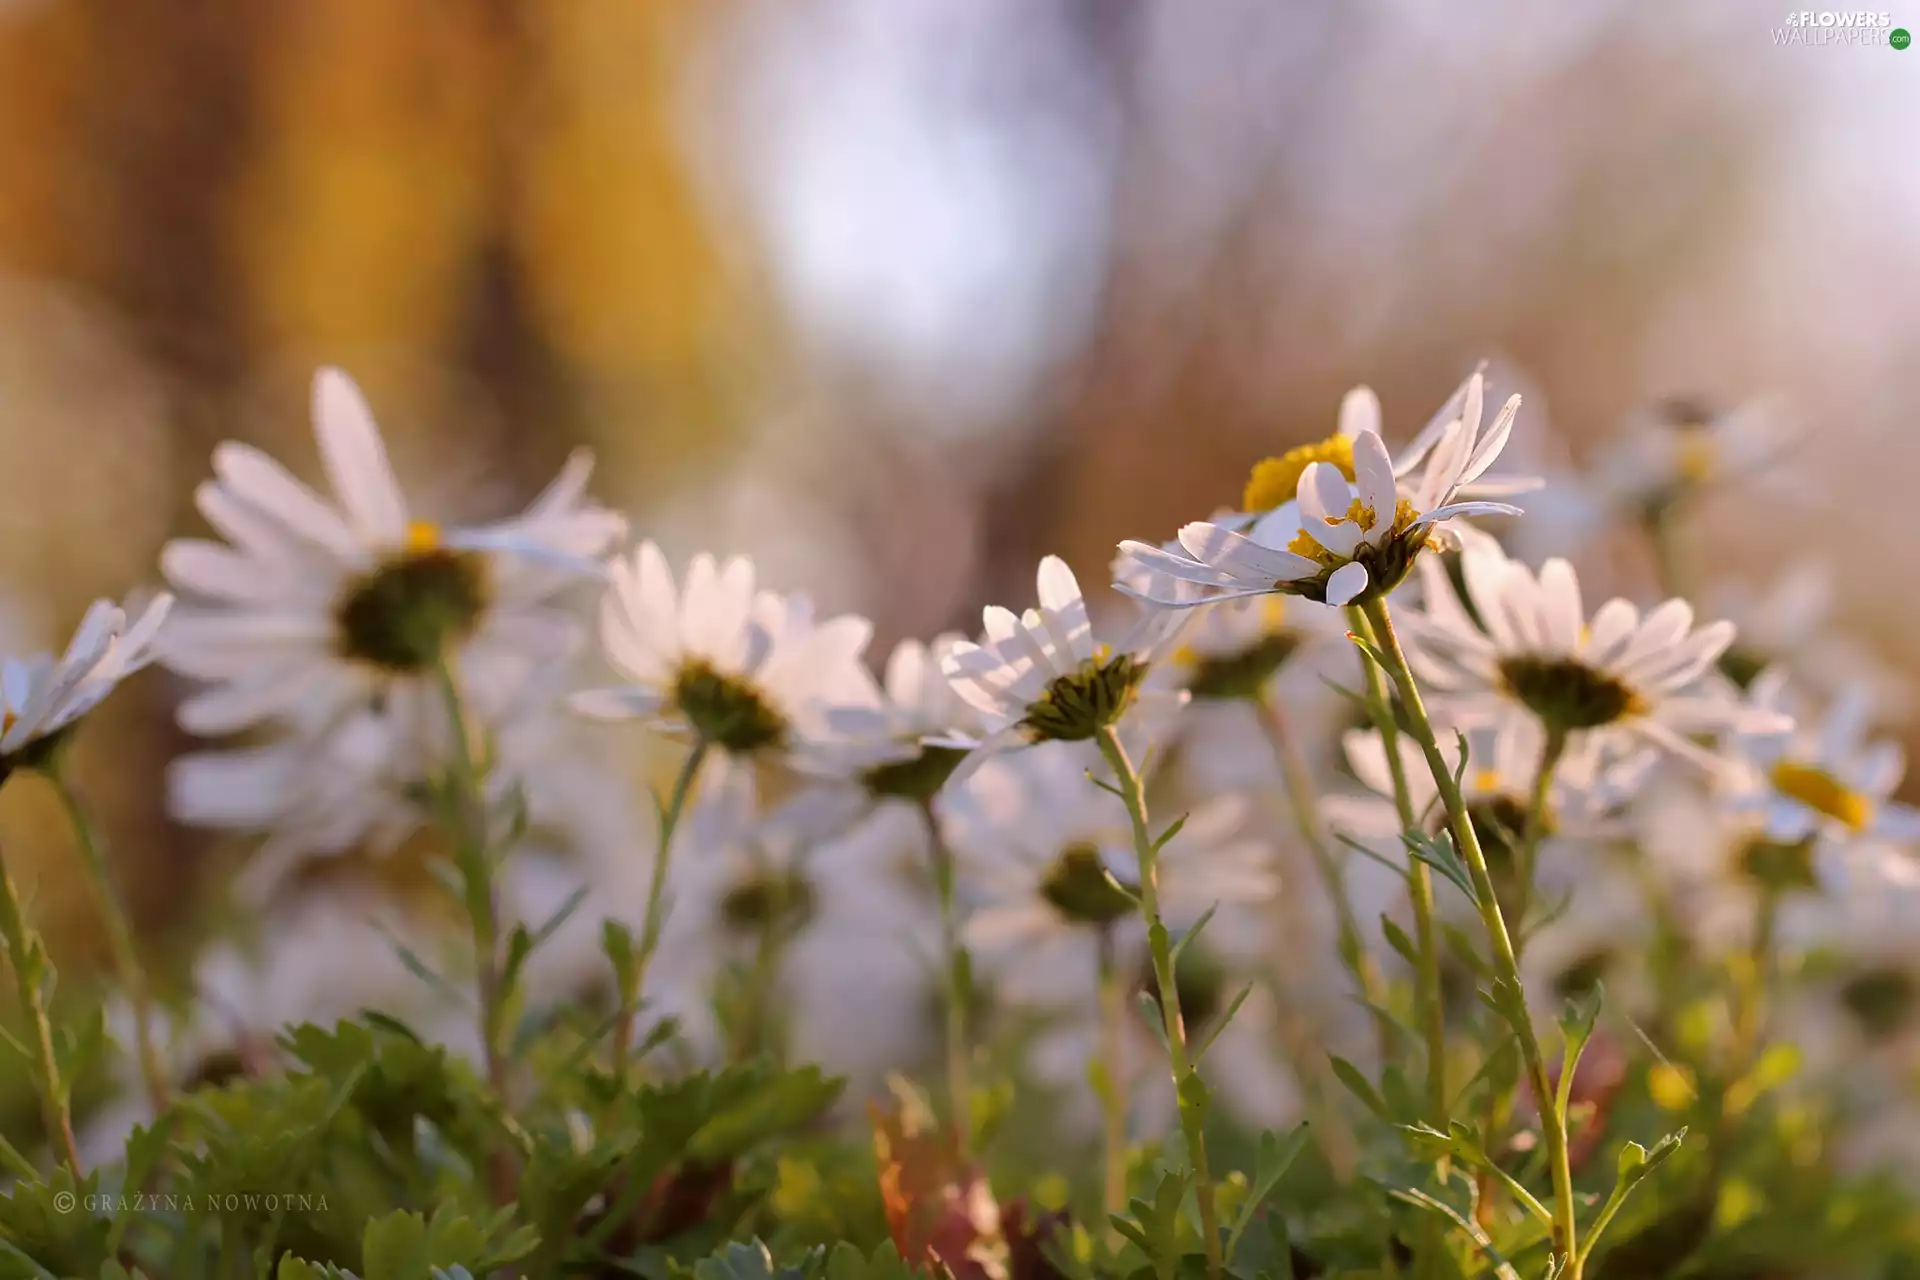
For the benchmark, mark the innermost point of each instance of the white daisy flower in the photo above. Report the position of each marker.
(1351, 533)
(1047, 862)
(844, 920)
(748, 672)
(1827, 779)
(899, 748)
(1242, 1062)
(1681, 445)
(311, 608)
(1502, 766)
(1042, 677)
(1790, 621)
(1862, 1003)
(44, 696)
(361, 785)
(1527, 643)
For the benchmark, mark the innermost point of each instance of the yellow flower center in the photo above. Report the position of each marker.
(1486, 780)
(1275, 481)
(1359, 513)
(422, 536)
(1696, 453)
(1823, 793)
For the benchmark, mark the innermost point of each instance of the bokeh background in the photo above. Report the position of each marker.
(897, 295)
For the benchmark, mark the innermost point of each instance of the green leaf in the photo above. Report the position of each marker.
(1274, 1157)
(1166, 837)
(751, 1260)
(1221, 1023)
(1433, 1204)
(1438, 853)
(1360, 1087)
(1397, 939)
(1186, 939)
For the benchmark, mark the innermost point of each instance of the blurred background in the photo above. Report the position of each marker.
(897, 295)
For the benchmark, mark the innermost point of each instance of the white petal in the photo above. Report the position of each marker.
(1347, 582)
(356, 460)
(1359, 413)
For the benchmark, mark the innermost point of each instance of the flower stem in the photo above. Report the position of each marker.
(1113, 1018)
(28, 957)
(958, 981)
(655, 919)
(1565, 1230)
(1539, 816)
(1189, 1091)
(1432, 1004)
(126, 957)
(1305, 804)
(466, 821)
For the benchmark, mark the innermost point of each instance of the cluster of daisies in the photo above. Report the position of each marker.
(842, 850)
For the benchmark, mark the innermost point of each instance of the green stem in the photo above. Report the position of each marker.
(28, 957)
(1433, 1012)
(1304, 801)
(126, 957)
(467, 824)
(1188, 1089)
(655, 919)
(1387, 644)
(959, 995)
(1113, 1022)
(1539, 816)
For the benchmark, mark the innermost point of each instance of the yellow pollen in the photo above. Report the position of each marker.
(1696, 453)
(1275, 481)
(1273, 612)
(1823, 793)
(1304, 544)
(422, 535)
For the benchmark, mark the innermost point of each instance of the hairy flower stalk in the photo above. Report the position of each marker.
(1113, 1070)
(958, 973)
(27, 956)
(632, 983)
(113, 915)
(465, 817)
(1552, 1120)
(1304, 802)
(1189, 1090)
(1526, 863)
(1433, 1024)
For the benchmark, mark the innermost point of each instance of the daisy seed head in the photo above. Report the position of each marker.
(726, 710)
(1224, 677)
(413, 608)
(1567, 694)
(918, 778)
(1881, 1001)
(1076, 706)
(769, 901)
(1779, 866)
(1199, 983)
(1079, 886)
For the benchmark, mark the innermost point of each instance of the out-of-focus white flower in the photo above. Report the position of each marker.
(361, 784)
(1047, 865)
(1681, 445)
(1826, 780)
(1244, 1062)
(893, 749)
(1616, 683)
(1042, 677)
(749, 672)
(1790, 623)
(311, 610)
(1351, 530)
(44, 695)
